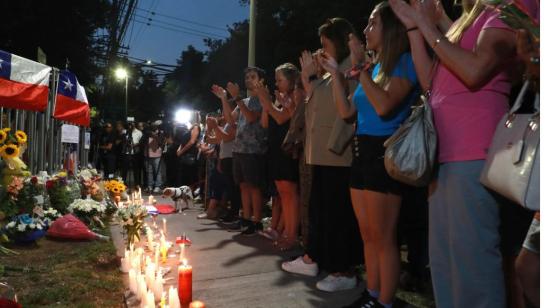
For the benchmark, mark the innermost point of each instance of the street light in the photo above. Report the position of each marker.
(120, 74)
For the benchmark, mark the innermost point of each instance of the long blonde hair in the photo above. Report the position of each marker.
(469, 14)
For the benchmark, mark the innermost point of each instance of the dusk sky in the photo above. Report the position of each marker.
(162, 45)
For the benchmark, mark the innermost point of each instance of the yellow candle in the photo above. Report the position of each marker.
(163, 300)
(163, 252)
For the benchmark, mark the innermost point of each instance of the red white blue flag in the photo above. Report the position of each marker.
(71, 104)
(23, 83)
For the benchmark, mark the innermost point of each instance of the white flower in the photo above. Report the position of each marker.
(32, 226)
(39, 227)
(21, 228)
(10, 225)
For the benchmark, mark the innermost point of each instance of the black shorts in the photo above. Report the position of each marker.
(282, 167)
(367, 169)
(250, 169)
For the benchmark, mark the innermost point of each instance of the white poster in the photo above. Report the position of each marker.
(87, 141)
(69, 133)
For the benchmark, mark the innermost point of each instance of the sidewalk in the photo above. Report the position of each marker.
(230, 270)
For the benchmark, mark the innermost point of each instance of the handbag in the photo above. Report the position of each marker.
(512, 167)
(411, 151)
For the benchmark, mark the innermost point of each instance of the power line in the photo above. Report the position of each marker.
(179, 26)
(174, 30)
(183, 20)
(152, 7)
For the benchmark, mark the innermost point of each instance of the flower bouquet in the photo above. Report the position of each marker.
(131, 218)
(516, 15)
(88, 180)
(12, 146)
(89, 210)
(50, 215)
(59, 192)
(9, 196)
(25, 229)
(115, 189)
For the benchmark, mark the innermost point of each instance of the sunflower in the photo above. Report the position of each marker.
(116, 190)
(9, 151)
(108, 185)
(21, 137)
(6, 129)
(121, 186)
(3, 136)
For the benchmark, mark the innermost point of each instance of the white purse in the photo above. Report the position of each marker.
(512, 167)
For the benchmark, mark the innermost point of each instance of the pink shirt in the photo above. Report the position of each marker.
(466, 120)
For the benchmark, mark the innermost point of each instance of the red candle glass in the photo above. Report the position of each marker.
(185, 283)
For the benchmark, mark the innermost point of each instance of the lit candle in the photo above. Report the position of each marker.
(151, 199)
(164, 225)
(150, 301)
(142, 285)
(182, 252)
(150, 275)
(162, 303)
(158, 286)
(163, 252)
(125, 262)
(173, 300)
(132, 281)
(157, 253)
(185, 283)
(197, 304)
(149, 238)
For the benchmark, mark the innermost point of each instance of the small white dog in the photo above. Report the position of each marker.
(177, 194)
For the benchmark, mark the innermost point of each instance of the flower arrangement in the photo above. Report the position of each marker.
(9, 196)
(89, 179)
(516, 15)
(12, 146)
(24, 228)
(131, 218)
(89, 210)
(50, 215)
(115, 187)
(59, 192)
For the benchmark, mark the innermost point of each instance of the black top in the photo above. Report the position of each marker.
(185, 134)
(276, 136)
(106, 139)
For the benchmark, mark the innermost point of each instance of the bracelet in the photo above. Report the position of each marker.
(437, 41)
(412, 29)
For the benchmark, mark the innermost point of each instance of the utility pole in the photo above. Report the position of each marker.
(252, 35)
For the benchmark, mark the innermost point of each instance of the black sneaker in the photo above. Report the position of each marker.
(252, 228)
(239, 226)
(228, 219)
(364, 301)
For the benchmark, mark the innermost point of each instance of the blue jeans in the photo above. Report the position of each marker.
(152, 166)
(465, 258)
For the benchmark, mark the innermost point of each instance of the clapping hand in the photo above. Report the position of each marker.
(211, 122)
(328, 63)
(407, 14)
(219, 92)
(233, 89)
(308, 63)
(284, 99)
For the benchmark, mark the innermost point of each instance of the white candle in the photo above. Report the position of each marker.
(157, 253)
(158, 286)
(132, 281)
(182, 252)
(150, 275)
(164, 225)
(125, 262)
(173, 299)
(149, 238)
(150, 301)
(142, 285)
(151, 199)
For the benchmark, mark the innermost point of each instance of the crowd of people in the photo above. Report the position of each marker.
(314, 147)
(151, 155)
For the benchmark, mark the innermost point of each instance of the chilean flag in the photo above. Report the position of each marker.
(23, 83)
(71, 104)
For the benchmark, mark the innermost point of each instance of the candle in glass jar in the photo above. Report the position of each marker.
(197, 304)
(132, 281)
(173, 300)
(185, 283)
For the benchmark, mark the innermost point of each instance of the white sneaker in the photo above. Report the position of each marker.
(269, 233)
(202, 216)
(336, 283)
(157, 190)
(298, 266)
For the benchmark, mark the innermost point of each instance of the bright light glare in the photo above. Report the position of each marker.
(183, 116)
(121, 73)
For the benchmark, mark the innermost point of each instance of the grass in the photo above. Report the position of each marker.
(66, 274)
